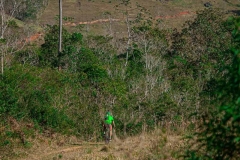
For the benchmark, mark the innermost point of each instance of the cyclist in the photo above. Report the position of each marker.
(109, 122)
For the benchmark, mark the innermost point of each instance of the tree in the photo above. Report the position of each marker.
(195, 58)
(8, 10)
(50, 54)
(126, 12)
(8, 47)
(11, 7)
(30, 9)
(60, 29)
(219, 135)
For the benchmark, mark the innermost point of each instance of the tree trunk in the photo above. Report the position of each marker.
(60, 32)
(125, 129)
(129, 37)
(2, 30)
(2, 63)
(2, 18)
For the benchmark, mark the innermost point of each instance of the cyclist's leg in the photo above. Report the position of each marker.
(104, 128)
(110, 128)
(107, 134)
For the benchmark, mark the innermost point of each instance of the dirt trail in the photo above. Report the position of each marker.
(66, 151)
(33, 38)
(59, 151)
(44, 152)
(184, 13)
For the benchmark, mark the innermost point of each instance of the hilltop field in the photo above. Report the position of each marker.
(172, 13)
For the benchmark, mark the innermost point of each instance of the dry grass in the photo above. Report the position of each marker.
(156, 145)
(93, 10)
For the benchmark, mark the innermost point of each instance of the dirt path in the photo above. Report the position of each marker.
(55, 152)
(68, 150)
(77, 151)
(184, 13)
(60, 151)
(65, 152)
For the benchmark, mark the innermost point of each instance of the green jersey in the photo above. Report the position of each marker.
(108, 119)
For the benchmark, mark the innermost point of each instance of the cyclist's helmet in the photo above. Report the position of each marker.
(108, 113)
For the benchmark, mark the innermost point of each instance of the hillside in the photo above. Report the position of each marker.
(173, 13)
(163, 86)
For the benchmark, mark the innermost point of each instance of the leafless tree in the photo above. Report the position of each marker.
(5, 18)
(8, 9)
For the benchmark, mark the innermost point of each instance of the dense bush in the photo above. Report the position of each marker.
(49, 50)
(195, 59)
(27, 94)
(220, 131)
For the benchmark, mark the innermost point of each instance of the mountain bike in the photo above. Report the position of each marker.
(107, 134)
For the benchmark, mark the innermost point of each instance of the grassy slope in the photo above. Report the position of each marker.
(89, 10)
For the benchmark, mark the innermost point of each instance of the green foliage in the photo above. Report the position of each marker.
(219, 137)
(8, 101)
(197, 48)
(91, 66)
(2, 41)
(29, 56)
(136, 64)
(96, 73)
(68, 19)
(195, 59)
(49, 50)
(12, 23)
(24, 98)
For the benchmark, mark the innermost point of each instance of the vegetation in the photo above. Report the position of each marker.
(219, 135)
(153, 78)
(23, 9)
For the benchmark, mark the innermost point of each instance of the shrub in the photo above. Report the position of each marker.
(219, 137)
